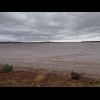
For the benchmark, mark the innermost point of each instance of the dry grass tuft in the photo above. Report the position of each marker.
(38, 80)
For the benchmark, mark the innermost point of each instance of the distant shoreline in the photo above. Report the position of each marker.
(53, 42)
(90, 41)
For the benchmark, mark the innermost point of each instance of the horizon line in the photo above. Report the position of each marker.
(43, 41)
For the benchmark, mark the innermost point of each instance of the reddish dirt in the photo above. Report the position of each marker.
(24, 78)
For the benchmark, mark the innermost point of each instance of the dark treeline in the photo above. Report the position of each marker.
(90, 41)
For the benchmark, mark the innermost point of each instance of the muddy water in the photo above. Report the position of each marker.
(83, 57)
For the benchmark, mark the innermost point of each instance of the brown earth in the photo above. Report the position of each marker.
(45, 78)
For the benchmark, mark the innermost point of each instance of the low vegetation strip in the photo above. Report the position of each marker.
(6, 68)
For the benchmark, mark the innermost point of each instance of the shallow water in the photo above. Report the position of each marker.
(83, 57)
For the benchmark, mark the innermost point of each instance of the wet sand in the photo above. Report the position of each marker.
(81, 57)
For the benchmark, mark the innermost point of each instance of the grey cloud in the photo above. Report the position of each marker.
(88, 20)
(11, 18)
(52, 26)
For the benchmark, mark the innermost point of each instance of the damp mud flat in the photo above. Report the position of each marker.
(80, 57)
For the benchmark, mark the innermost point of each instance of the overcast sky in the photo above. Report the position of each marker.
(50, 26)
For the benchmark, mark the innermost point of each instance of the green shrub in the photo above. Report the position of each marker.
(75, 76)
(7, 68)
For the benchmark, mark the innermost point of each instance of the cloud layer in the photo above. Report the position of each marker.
(49, 26)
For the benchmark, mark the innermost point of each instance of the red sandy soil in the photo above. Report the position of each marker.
(44, 78)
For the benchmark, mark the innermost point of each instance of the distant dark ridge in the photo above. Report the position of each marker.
(90, 41)
(35, 42)
(11, 42)
(40, 42)
(47, 42)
